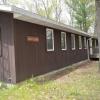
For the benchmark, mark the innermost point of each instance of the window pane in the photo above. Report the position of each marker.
(63, 41)
(96, 43)
(73, 41)
(85, 42)
(80, 42)
(50, 39)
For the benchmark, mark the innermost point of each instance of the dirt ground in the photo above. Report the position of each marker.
(77, 71)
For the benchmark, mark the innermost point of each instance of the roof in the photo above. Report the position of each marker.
(27, 16)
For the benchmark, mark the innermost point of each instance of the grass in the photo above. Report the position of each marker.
(80, 84)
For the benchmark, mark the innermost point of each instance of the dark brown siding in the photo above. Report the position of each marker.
(7, 60)
(33, 59)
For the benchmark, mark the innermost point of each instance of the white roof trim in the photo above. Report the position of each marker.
(27, 16)
(5, 8)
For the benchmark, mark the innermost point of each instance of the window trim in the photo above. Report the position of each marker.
(73, 37)
(48, 29)
(80, 42)
(85, 43)
(65, 41)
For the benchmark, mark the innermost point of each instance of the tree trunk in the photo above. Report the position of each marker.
(97, 27)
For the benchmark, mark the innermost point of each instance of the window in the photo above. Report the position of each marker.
(50, 39)
(0, 44)
(80, 42)
(95, 43)
(73, 41)
(63, 41)
(85, 44)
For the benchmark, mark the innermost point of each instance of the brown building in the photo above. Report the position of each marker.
(32, 45)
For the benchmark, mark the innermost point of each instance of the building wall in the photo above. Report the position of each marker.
(7, 65)
(33, 59)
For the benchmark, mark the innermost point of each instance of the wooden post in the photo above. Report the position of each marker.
(88, 49)
(97, 26)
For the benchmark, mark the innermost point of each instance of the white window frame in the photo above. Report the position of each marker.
(73, 37)
(65, 41)
(48, 29)
(80, 42)
(85, 43)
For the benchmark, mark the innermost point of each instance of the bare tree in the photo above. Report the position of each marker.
(43, 8)
(57, 5)
(51, 9)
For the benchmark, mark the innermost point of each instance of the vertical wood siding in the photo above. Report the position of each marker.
(33, 58)
(7, 58)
